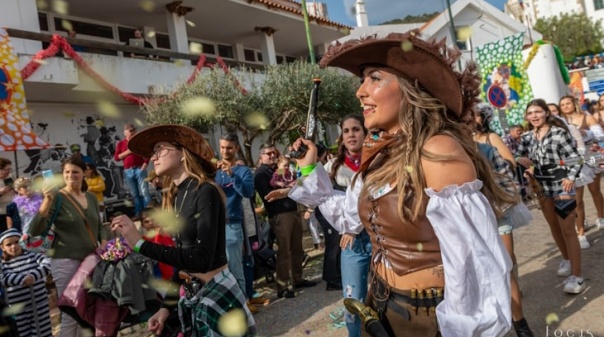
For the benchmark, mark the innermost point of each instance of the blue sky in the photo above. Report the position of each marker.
(379, 11)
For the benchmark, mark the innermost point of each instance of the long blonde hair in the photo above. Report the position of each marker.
(422, 117)
(198, 169)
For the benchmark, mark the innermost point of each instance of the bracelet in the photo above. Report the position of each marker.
(306, 170)
(137, 246)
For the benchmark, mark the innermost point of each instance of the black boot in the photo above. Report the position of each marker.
(522, 329)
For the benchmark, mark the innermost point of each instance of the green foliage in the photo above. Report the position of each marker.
(575, 34)
(412, 19)
(278, 99)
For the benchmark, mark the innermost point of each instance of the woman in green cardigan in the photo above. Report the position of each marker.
(78, 229)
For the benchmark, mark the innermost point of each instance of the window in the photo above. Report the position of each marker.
(259, 56)
(598, 4)
(249, 55)
(462, 44)
(225, 51)
(290, 59)
(85, 28)
(125, 33)
(162, 40)
(279, 59)
(208, 48)
(43, 21)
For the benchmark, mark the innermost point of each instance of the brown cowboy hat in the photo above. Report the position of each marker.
(429, 64)
(143, 142)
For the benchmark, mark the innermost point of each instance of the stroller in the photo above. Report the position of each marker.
(265, 261)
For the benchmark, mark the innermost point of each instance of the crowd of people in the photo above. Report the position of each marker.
(379, 205)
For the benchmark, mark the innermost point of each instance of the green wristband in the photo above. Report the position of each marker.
(137, 246)
(306, 170)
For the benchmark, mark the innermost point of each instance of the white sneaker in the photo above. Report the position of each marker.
(587, 226)
(564, 268)
(583, 242)
(600, 223)
(574, 285)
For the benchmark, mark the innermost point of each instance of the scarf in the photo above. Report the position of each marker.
(376, 142)
(353, 161)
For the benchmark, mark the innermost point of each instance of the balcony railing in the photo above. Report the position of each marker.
(156, 54)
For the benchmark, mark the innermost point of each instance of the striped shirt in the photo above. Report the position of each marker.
(35, 315)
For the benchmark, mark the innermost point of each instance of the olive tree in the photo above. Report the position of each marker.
(274, 102)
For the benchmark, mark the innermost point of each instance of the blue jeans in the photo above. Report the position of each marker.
(135, 179)
(355, 270)
(234, 250)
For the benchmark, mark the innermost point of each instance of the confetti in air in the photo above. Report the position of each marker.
(551, 318)
(191, 23)
(13, 309)
(233, 323)
(108, 109)
(66, 24)
(195, 48)
(257, 120)
(60, 6)
(198, 106)
(147, 5)
(464, 33)
(407, 45)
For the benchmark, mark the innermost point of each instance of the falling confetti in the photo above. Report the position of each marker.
(257, 120)
(167, 220)
(409, 169)
(151, 34)
(138, 123)
(407, 46)
(60, 6)
(13, 309)
(66, 24)
(179, 63)
(464, 33)
(42, 5)
(191, 23)
(40, 61)
(147, 5)
(233, 323)
(420, 247)
(108, 109)
(69, 114)
(195, 48)
(198, 106)
(551, 318)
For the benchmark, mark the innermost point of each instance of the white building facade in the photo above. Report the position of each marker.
(63, 98)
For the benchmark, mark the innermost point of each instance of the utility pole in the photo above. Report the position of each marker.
(453, 32)
(311, 50)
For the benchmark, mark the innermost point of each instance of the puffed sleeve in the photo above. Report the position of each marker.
(477, 265)
(339, 208)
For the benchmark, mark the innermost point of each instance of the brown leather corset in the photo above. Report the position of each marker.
(404, 247)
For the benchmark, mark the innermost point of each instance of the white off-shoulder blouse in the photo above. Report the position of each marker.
(476, 264)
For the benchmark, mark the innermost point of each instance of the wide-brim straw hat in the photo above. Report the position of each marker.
(143, 142)
(430, 65)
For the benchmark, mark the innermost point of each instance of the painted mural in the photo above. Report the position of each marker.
(95, 135)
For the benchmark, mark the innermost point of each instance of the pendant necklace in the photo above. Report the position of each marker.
(184, 198)
(178, 210)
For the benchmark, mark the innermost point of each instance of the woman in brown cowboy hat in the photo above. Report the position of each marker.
(184, 158)
(422, 192)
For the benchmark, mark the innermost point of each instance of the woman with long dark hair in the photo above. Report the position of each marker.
(184, 158)
(591, 133)
(354, 241)
(547, 144)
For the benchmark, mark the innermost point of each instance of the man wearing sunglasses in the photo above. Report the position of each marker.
(135, 171)
(286, 223)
